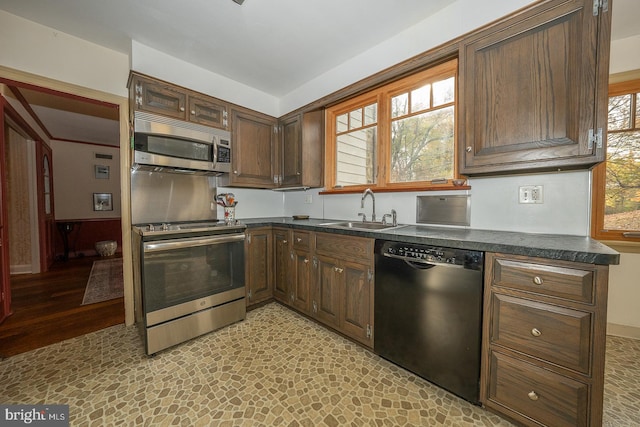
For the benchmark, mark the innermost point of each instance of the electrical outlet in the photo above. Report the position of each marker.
(308, 199)
(530, 194)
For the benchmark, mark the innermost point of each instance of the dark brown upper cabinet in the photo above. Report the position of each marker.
(532, 94)
(302, 150)
(253, 141)
(208, 111)
(158, 97)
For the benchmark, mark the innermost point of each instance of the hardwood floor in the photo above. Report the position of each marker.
(46, 308)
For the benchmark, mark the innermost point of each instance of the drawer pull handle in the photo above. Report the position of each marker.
(298, 239)
(533, 395)
(536, 332)
(538, 280)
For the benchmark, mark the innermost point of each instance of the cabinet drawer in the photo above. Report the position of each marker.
(338, 246)
(556, 334)
(536, 393)
(558, 281)
(301, 240)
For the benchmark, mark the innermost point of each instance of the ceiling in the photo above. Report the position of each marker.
(274, 46)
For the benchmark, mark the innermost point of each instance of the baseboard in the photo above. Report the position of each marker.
(20, 269)
(623, 331)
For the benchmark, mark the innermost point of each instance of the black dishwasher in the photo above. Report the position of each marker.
(428, 313)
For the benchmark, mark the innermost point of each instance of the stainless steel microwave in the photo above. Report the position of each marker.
(170, 145)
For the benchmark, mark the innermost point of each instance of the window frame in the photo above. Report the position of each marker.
(599, 177)
(383, 96)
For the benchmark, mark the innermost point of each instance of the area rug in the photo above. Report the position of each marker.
(105, 281)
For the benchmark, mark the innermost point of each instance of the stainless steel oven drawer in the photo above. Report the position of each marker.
(174, 332)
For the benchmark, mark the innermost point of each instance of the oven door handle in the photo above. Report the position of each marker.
(166, 245)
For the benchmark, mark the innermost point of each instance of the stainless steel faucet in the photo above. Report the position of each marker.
(373, 199)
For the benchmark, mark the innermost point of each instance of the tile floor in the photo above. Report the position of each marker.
(275, 368)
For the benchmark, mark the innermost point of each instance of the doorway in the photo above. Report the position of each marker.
(40, 287)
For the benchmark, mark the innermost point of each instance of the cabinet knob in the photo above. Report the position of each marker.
(235, 172)
(181, 108)
(306, 260)
(193, 113)
(469, 149)
(338, 270)
(284, 242)
(538, 280)
(533, 395)
(298, 239)
(536, 332)
(297, 173)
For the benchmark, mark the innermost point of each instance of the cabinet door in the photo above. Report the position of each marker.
(259, 271)
(357, 298)
(301, 290)
(253, 157)
(208, 112)
(327, 292)
(529, 90)
(281, 287)
(159, 98)
(313, 149)
(291, 169)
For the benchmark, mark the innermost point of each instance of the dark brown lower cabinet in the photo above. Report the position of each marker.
(258, 265)
(282, 264)
(544, 340)
(343, 285)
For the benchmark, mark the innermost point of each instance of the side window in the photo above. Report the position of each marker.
(616, 196)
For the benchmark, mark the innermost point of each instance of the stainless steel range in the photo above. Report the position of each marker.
(188, 267)
(189, 280)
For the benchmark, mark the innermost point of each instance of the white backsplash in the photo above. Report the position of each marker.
(494, 204)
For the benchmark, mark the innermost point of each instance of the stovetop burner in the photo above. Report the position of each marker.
(187, 227)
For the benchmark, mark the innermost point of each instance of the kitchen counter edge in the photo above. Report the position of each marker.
(551, 246)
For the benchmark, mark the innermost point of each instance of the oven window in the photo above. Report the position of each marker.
(176, 276)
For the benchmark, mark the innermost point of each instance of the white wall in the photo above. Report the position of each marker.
(494, 204)
(625, 55)
(624, 293)
(40, 50)
(451, 22)
(157, 64)
(74, 180)
(447, 24)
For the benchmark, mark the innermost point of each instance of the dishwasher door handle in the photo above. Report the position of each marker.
(419, 263)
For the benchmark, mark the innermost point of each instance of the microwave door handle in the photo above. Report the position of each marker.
(166, 245)
(214, 147)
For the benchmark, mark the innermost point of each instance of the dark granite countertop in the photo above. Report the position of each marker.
(552, 246)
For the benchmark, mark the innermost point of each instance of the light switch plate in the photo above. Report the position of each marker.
(308, 199)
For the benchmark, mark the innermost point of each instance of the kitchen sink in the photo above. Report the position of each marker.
(361, 225)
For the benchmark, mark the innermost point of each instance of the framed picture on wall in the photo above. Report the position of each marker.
(102, 172)
(102, 202)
